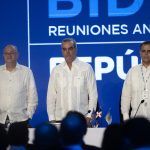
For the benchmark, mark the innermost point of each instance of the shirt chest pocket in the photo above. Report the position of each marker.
(79, 81)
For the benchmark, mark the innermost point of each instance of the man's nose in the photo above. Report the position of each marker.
(67, 50)
(147, 52)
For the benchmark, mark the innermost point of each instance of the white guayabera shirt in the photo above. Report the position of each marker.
(73, 89)
(18, 95)
(135, 89)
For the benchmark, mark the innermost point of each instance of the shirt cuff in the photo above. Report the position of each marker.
(30, 113)
(89, 115)
(125, 116)
(51, 117)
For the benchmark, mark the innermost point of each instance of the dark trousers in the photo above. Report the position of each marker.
(17, 124)
(20, 124)
(18, 133)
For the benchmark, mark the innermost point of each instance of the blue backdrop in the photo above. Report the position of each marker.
(108, 33)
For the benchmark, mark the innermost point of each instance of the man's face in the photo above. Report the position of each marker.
(145, 53)
(10, 55)
(68, 51)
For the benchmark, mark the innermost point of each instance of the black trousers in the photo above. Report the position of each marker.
(18, 133)
(20, 124)
(16, 124)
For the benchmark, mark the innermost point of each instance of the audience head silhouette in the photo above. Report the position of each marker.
(137, 132)
(18, 134)
(73, 128)
(3, 138)
(113, 138)
(46, 137)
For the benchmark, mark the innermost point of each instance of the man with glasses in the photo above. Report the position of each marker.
(18, 95)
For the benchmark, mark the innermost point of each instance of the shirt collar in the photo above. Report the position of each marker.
(17, 66)
(145, 67)
(73, 63)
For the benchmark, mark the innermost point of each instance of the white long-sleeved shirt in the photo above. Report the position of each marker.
(18, 95)
(133, 90)
(73, 89)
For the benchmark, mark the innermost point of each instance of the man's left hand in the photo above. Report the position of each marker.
(88, 120)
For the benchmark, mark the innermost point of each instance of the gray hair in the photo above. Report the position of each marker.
(12, 47)
(70, 40)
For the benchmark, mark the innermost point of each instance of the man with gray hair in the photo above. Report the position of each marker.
(18, 95)
(72, 85)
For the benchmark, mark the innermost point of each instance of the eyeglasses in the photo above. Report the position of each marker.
(12, 53)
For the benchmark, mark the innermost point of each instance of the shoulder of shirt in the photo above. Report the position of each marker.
(58, 67)
(18, 66)
(22, 67)
(82, 65)
(134, 70)
(2, 67)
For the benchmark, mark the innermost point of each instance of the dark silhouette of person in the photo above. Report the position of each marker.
(137, 132)
(3, 138)
(46, 137)
(72, 130)
(113, 138)
(18, 136)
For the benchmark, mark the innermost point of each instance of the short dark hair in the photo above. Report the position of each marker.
(70, 40)
(144, 43)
